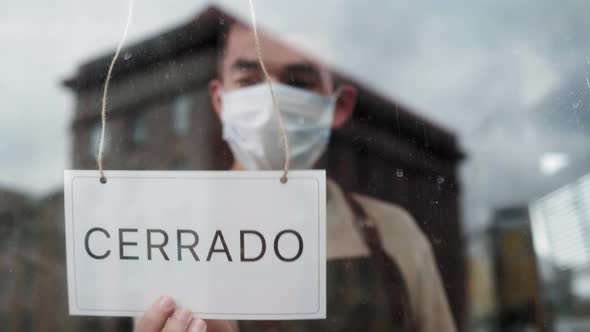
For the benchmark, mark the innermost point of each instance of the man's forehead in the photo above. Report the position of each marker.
(241, 44)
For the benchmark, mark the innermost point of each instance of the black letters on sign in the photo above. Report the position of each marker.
(299, 239)
(248, 253)
(159, 246)
(122, 243)
(243, 257)
(87, 239)
(218, 235)
(190, 247)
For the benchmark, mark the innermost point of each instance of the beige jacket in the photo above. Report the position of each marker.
(404, 241)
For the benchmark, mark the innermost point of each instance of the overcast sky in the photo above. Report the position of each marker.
(509, 77)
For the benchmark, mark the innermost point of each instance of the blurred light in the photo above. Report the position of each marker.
(581, 285)
(551, 163)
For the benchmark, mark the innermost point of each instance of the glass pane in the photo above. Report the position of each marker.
(461, 130)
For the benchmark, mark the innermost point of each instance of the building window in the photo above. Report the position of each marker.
(139, 130)
(181, 114)
(94, 139)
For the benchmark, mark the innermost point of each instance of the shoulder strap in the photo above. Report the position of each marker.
(394, 280)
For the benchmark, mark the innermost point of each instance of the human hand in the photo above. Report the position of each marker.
(165, 317)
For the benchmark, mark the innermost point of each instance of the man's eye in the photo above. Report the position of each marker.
(248, 81)
(300, 81)
(303, 84)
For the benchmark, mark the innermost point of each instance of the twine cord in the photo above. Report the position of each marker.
(103, 110)
(272, 93)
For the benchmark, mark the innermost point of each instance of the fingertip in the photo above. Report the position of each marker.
(165, 303)
(183, 315)
(198, 325)
(156, 316)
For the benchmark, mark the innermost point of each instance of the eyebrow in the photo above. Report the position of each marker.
(303, 68)
(296, 68)
(244, 64)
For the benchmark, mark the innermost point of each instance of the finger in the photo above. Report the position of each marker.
(198, 325)
(179, 321)
(154, 319)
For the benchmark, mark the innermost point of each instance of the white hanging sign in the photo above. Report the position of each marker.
(228, 245)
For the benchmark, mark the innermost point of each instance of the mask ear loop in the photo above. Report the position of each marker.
(272, 93)
(103, 110)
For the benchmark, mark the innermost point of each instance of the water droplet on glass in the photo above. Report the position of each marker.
(399, 172)
(440, 179)
(127, 56)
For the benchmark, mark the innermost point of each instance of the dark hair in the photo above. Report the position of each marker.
(225, 24)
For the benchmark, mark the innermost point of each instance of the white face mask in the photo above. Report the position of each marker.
(251, 128)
